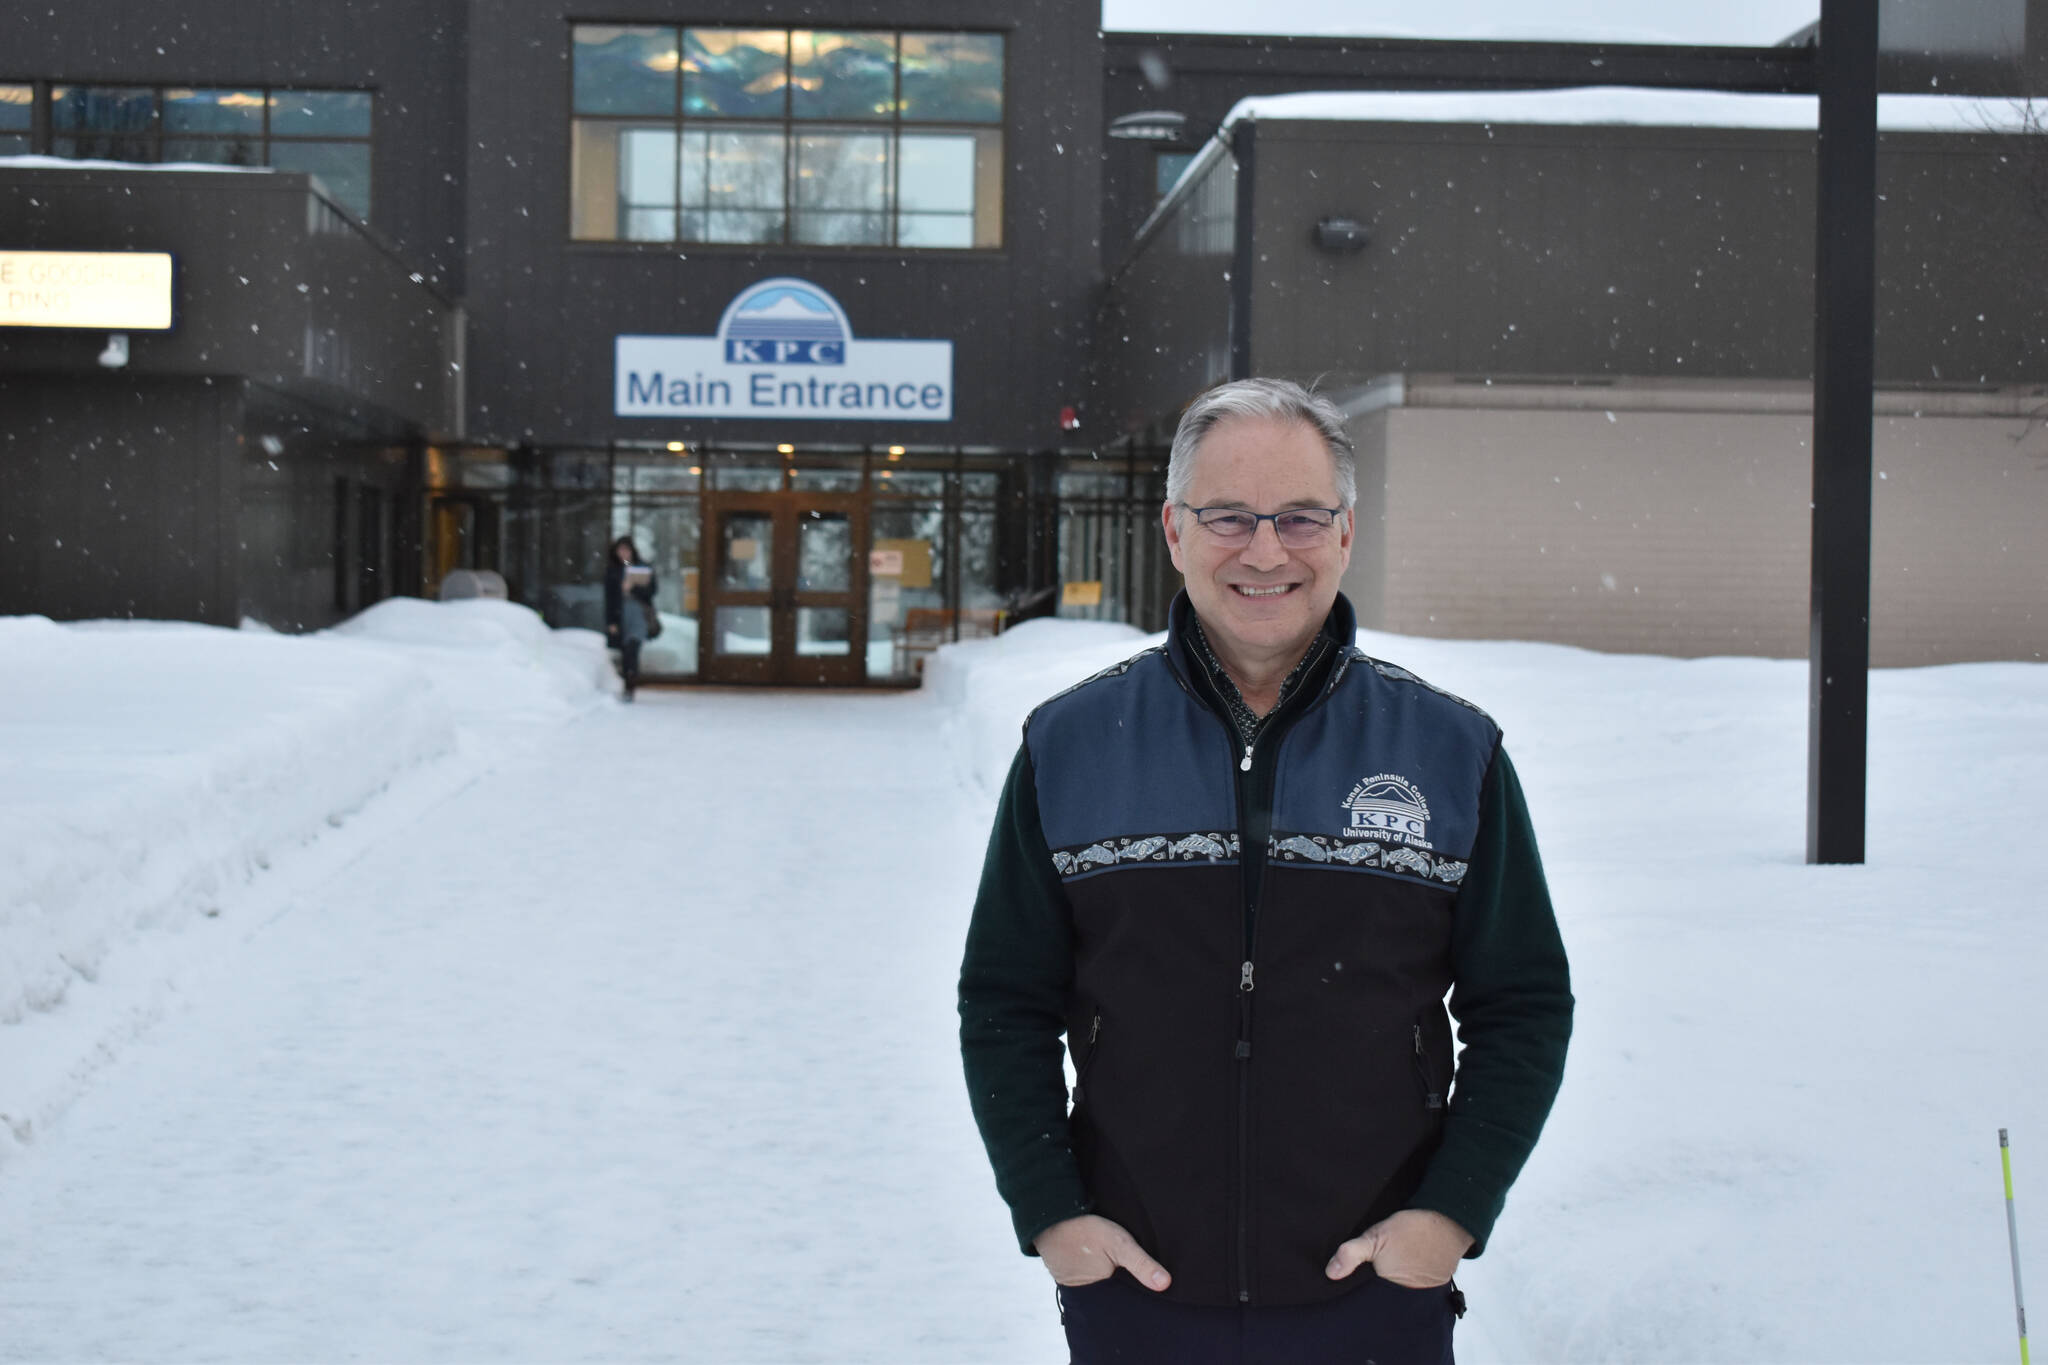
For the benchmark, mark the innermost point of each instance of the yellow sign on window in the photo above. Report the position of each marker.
(912, 558)
(113, 291)
(1087, 594)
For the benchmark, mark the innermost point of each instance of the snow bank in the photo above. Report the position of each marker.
(496, 663)
(149, 770)
(1777, 1134)
(987, 687)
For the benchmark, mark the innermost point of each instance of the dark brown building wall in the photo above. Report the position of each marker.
(544, 311)
(118, 498)
(271, 282)
(1648, 252)
(409, 53)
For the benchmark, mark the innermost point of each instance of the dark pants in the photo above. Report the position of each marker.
(1119, 1322)
(629, 660)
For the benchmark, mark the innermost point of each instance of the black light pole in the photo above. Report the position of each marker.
(1838, 648)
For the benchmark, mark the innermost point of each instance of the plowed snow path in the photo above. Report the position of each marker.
(640, 1047)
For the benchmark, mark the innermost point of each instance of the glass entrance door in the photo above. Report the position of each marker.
(786, 589)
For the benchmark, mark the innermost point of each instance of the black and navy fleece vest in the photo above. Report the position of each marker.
(1258, 1080)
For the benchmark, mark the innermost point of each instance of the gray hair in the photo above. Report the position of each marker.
(1282, 399)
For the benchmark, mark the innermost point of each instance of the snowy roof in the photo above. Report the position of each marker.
(65, 163)
(1733, 23)
(1595, 106)
(1632, 106)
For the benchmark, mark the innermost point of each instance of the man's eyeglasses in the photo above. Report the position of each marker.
(1299, 528)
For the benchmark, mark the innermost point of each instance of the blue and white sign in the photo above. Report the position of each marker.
(784, 349)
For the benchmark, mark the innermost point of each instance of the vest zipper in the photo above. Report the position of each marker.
(1243, 1052)
(1277, 726)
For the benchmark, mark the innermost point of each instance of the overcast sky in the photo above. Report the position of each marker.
(1643, 21)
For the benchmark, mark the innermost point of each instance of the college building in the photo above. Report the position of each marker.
(869, 320)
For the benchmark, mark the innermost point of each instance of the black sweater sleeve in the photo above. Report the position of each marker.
(1014, 980)
(1511, 996)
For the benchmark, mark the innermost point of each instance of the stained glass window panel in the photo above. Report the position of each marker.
(953, 77)
(842, 75)
(735, 73)
(625, 70)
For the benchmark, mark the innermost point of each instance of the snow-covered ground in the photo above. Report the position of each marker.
(149, 771)
(392, 994)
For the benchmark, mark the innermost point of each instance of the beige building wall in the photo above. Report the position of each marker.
(1674, 519)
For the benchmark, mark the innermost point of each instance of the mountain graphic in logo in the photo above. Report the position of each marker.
(1388, 807)
(784, 322)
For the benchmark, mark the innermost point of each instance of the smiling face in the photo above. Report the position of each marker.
(1260, 603)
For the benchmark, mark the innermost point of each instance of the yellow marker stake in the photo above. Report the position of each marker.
(2012, 1237)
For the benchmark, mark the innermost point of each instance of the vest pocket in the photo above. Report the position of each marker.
(1086, 1063)
(1426, 1074)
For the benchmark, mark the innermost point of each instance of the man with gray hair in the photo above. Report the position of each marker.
(1240, 872)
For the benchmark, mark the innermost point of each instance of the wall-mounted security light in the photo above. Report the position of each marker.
(1341, 236)
(1164, 126)
(116, 353)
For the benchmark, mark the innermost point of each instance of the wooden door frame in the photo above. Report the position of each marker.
(782, 665)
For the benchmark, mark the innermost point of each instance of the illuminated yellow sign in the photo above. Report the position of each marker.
(114, 291)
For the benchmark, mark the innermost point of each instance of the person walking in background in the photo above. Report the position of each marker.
(628, 608)
(1239, 872)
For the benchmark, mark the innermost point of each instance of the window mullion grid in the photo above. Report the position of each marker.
(895, 207)
(790, 145)
(681, 143)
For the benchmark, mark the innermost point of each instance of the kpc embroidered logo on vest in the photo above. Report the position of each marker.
(1388, 807)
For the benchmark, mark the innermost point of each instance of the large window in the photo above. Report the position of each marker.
(798, 136)
(326, 132)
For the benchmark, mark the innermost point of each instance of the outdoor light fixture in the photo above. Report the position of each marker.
(785, 450)
(676, 447)
(1151, 125)
(895, 452)
(1341, 236)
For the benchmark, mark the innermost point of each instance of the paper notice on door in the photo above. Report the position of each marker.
(916, 569)
(885, 563)
(1084, 594)
(743, 549)
(885, 603)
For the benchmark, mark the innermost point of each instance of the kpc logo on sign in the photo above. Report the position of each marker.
(784, 349)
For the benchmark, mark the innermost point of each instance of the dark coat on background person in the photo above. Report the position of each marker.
(620, 626)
